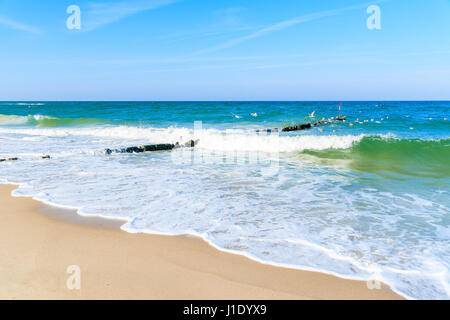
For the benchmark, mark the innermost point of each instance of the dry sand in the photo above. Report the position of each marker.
(38, 243)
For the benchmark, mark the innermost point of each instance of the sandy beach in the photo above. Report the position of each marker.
(39, 242)
(37, 245)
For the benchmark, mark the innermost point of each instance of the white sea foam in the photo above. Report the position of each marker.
(211, 139)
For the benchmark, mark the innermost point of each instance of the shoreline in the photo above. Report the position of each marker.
(39, 241)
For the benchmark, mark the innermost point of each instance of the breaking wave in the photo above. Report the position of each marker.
(46, 121)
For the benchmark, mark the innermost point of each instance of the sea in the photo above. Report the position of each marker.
(367, 198)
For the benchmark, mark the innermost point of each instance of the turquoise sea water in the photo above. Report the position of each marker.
(363, 199)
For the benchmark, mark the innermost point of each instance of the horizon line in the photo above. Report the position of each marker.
(150, 101)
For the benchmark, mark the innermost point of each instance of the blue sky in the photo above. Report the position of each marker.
(224, 50)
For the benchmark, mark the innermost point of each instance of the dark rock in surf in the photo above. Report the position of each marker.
(151, 147)
(299, 127)
(191, 143)
(134, 150)
(267, 130)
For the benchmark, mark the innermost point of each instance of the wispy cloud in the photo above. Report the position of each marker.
(18, 25)
(285, 24)
(100, 14)
(226, 22)
(229, 16)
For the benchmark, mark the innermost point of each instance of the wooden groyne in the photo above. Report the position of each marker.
(9, 159)
(303, 126)
(309, 125)
(299, 127)
(192, 143)
(15, 158)
(139, 149)
(152, 147)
